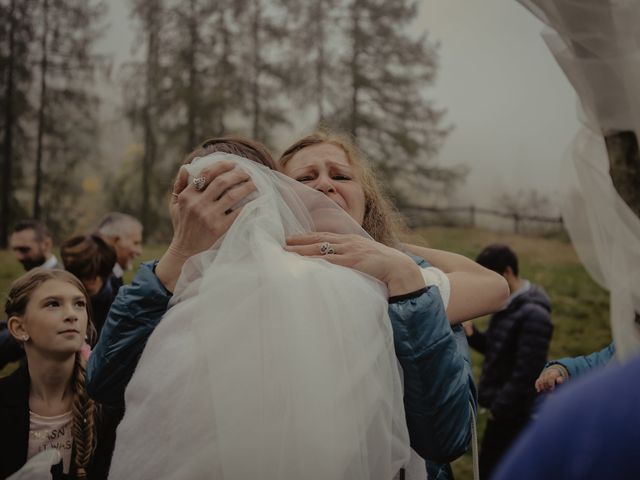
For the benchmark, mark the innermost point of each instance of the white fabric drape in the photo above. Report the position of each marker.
(597, 44)
(269, 365)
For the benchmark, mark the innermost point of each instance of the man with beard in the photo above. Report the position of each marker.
(32, 245)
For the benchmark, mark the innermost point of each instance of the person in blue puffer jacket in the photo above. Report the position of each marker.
(558, 371)
(439, 390)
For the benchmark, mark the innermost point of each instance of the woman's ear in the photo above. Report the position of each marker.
(17, 328)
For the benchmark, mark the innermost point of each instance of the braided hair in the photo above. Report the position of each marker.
(84, 410)
(84, 413)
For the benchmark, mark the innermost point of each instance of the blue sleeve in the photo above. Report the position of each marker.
(439, 393)
(134, 314)
(576, 366)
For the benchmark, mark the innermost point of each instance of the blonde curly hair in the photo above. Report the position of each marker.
(381, 220)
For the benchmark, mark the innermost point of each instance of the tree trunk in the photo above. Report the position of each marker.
(320, 61)
(192, 96)
(624, 167)
(7, 184)
(225, 65)
(355, 69)
(41, 112)
(255, 87)
(150, 142)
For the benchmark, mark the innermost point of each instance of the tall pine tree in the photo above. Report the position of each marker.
(66, 103)
(16, 37)
(376, 90)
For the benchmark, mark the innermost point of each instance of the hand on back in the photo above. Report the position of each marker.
(392, 267)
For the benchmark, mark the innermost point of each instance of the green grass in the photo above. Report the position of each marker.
(580, 307)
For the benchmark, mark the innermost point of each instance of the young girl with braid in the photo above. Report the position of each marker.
(44, 405)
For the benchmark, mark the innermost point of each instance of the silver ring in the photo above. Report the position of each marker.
(200, 183)
(327, 249)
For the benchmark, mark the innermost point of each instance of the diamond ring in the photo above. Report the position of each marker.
(200, 183)
(327, 249)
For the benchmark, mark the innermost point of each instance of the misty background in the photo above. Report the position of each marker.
(513, 110)
(505, 113)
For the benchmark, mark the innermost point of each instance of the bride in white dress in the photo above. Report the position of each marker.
(269, 364)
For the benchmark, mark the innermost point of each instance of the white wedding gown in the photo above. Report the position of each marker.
(268, 365)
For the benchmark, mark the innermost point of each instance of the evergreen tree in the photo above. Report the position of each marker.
(144, 101)
(379, 71)
(263, 71)
(314, 55)
(189, 85)
(67, 105)
(16, 36)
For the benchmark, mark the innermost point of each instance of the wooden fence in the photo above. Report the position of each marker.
(419, 216)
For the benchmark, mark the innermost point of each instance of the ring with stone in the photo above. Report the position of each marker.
(199, 183)
(327, 249)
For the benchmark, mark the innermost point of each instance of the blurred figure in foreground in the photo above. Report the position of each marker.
(588, 431)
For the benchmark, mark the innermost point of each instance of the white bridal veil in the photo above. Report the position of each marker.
(268, 365)
(597, 45)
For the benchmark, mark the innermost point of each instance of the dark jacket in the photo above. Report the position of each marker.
(439, 390)
(116, 283)
(101, 303)
(10, 349)
(515, 348)
(14, 429)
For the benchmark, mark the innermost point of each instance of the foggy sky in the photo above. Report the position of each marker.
(513, 110)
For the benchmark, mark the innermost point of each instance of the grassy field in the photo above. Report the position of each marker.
(580, 307)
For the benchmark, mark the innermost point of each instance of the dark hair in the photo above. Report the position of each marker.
(498, 257)
(235, 145)
(40, 229)
(88, 257)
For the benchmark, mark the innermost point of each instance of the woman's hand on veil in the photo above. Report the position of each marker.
(392, 267)
(201, 217)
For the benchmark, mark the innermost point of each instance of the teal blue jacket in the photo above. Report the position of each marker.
(576, 366)
(440, 396)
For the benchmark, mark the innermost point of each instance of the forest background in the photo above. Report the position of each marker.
(202, 69)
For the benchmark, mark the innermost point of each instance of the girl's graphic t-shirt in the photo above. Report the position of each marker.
(51, 432)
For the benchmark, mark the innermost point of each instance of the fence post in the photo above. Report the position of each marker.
(516, 223)
(472, 216)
